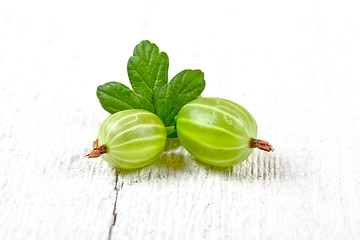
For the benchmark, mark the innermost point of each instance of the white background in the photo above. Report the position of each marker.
(295, 65)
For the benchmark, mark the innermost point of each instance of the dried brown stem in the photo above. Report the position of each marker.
(96, 151)
(262, 145)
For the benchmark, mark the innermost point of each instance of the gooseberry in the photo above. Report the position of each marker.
(130, 139)
(218, 132)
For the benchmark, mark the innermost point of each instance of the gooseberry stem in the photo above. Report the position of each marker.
(96, 151)
(261, 144)
(171, 132)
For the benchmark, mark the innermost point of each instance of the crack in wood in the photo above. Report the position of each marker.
(114, 209)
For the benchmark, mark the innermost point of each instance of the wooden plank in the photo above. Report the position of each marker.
(48, 189)
(305, 190)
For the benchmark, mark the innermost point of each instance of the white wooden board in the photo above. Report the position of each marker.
(293, 65)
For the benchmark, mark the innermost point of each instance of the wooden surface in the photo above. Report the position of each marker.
(294, 66)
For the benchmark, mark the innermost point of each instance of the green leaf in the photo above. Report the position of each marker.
(148, 70)
(115, 97)
(183, 88)
(148, 74)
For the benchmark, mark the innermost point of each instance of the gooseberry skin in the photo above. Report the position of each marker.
(216, 131)
(133, 138)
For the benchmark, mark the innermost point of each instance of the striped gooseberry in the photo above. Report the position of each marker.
(218, 132)
(130, 139)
